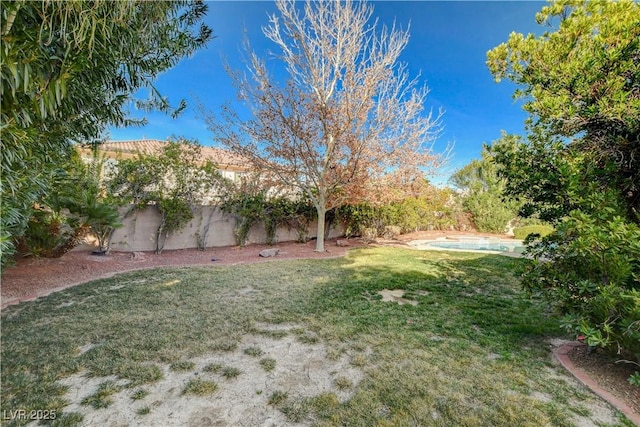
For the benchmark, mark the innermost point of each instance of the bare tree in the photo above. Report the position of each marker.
(346, 118)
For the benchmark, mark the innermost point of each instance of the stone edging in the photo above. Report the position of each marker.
(562, 354)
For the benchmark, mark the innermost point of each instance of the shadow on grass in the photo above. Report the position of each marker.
(471, 296)
(470, 353)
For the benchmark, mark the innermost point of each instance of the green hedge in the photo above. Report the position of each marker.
(438, 209)
(521, 233)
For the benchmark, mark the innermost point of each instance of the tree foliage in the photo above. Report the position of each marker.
(68, 70)
(431, 209)
(579, 166)
(347, 114)
(483, 194)
(79, 206)
(176, 180)
(582, 81)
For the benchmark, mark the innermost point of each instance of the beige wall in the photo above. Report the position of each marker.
(139, 231)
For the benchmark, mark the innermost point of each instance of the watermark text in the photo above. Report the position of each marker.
(28, 414)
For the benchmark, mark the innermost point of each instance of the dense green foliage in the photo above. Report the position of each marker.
(78, 207)
(68, 70)
(582, 82)
(483, 194)
(590, 269)
(248, 210)
(175, 180)
(252, 207)
(433, 209)
(579, 167)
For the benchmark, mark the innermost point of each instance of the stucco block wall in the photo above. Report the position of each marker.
(139, 231)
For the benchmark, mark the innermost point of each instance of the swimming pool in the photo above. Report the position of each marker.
(471, 243)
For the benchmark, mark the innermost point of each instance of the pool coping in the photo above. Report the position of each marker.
(425, 245)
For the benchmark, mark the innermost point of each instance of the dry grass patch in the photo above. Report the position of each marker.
(473, 351)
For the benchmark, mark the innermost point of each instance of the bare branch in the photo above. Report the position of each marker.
(347, 118)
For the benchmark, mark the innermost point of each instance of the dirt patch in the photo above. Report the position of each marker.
(31, 278)
(301, 370)
(396, 295)
(609, 374)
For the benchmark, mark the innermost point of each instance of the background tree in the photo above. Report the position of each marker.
(579, 166)
(176, 180)
(346, 115)
(483, 194)
(78, 206)
(582, 81)
(68, 70)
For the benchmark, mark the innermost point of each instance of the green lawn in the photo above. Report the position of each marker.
(472, 352)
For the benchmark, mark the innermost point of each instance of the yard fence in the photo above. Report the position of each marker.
(210, 227)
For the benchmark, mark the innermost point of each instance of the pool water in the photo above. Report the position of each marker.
(472, 244)
(478, 246)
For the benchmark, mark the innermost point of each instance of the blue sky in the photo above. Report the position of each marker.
(448, 45)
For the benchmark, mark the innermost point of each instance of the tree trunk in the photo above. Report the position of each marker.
(320, 234)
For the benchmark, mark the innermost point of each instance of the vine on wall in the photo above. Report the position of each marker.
(176, 180)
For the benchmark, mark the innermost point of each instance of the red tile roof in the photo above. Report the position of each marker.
(223, 158)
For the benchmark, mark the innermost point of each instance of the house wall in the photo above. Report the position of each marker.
(138, 232)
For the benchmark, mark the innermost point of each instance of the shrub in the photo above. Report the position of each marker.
(295, 214)
(356, 218)
(589, 269)
(249, 208)
(76, 207)
(434, 209)
(490, 213)
(521, 233)
(391, 231)
(50, 234)
(483, 194)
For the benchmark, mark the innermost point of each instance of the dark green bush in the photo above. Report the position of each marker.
(589, 269)
(436, 209)
(249, 209)
(50, 234)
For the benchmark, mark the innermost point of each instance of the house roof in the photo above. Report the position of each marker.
(225, 159)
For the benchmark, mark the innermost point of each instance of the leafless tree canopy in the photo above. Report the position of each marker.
(346, 118)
